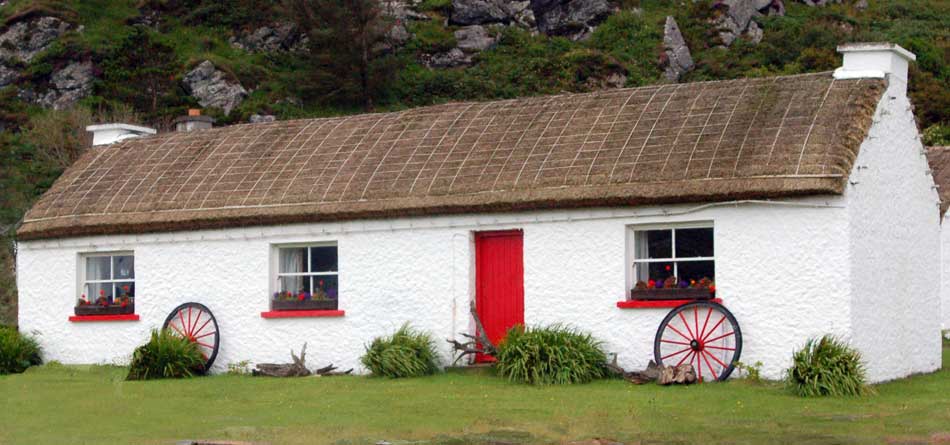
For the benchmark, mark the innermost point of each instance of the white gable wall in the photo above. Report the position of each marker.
(945, 272)
(895, 247)
(781, 268)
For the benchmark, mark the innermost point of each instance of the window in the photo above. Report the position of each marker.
(310, 271)
(685, 253)
(108, 278)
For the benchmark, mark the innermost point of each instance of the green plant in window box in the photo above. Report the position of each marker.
(104, 305)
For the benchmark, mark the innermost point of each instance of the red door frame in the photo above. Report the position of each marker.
(499, 282)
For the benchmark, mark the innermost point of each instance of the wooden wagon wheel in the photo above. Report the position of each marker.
(195, 322)
(702, 333)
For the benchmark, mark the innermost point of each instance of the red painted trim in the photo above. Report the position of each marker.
(301, 314)
(86, 318)
(652, 304)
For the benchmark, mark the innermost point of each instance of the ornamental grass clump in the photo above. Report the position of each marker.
(552, 355)
(17, 351)
(826, 367)
(406, 353)
(166, 356)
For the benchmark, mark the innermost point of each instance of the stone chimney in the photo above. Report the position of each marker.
(194, 121)
(876, 61)
(110, 133)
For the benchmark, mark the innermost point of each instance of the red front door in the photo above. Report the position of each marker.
(499, 282)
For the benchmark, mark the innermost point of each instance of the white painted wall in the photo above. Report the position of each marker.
(782, 269)
(945, 272)
(895, 246)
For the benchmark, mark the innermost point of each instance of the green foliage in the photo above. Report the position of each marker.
(443, 7)
(166, 355)
(406, 353)
(826, 367)
(551, 355)
(431, 37)
(141, 71)
(752, 373)
(937, 135)
(17, 351)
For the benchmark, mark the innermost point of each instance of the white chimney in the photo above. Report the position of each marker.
(194, 121)
(876, 61)
(110, 133)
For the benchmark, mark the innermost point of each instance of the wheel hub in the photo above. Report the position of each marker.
(696, 345)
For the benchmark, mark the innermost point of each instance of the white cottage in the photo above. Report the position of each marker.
(807, 199)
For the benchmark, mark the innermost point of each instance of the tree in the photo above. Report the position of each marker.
(140, 71)
(349, 49)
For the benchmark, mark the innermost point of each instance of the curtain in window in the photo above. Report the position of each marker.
(292, 261)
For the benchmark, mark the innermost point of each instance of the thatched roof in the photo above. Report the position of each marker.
(697, 142)
(939, 159)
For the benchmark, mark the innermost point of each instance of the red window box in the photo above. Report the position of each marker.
(302, 314)
(655, 304)
(91, 318)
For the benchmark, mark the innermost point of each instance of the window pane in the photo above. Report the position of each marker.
(325, 287)
(323, 258)
(293, 260)
(654, 271)
(123, 267)
(694, 243)
(125, 288)
(98, 268)
(657, 244)
(294, 285)
(93, 291)
(696, 270)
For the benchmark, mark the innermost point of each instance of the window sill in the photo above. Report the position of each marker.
(658, 304)
(87, 318)
(301, 314)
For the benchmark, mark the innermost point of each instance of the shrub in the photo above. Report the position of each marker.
(407, 353)
(826, 367)
(166, 356)
(550, 355)
(17, 351)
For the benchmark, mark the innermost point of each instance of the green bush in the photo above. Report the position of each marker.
(826, 367)
(166, 355)
(550, 355)
(17, 351)
(407, 353)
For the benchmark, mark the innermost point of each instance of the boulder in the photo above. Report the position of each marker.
(449, 59)
(7, 75)
(25, 39)
(574, 19)
(677, 58)
(737, 18)
(212, 87)
(67, 86)
(280, 37)
(261, 118)
(480, 12)
(401, 11)
(473, 39)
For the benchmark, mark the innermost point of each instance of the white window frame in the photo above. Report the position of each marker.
(276, 275)
(632, 246)
(83, 257)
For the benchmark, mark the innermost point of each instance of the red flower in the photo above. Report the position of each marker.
(301, 297)
(668, 268)
(102, 292)
(712, 288)
(321, 283)
(125, 288)
(125, 304)
(651, 284)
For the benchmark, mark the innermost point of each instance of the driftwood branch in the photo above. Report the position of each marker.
(296, 369)
(478, 343)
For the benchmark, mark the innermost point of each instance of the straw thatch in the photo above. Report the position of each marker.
(709, 141)
(939, 159)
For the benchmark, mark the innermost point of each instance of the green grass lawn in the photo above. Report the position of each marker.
(58, 404)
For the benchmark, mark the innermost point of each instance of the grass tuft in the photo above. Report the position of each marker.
(165, 356)
(552, 355)
(406, 353)
(17, 351)
(827, 367)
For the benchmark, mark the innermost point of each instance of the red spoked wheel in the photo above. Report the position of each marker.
(702, 333)
(195, 322)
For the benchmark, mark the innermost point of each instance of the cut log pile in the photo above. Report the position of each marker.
(683, 374)
(296, 369)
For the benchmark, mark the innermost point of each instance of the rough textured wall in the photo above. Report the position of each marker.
(772, 271)
(945, 272)
(895, 247)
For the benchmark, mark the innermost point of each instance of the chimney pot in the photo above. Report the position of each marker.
(110, 133)
(194, 112)
(194, 121)
(876, 61)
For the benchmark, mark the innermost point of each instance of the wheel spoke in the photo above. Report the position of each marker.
(699, 374)
(720, 348)
(202, 327)
(195, 324)
(696, 322)
(205, 345)
(175, 328)
(702, 334)
(678, 332)
(181, 318)
(721, 337)
(205, 335)
(714, 327)
(675, 353)
(714, 376)
(685, 357)
(674, 342)
(189, 319)
(717, 360)
(685, 323)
